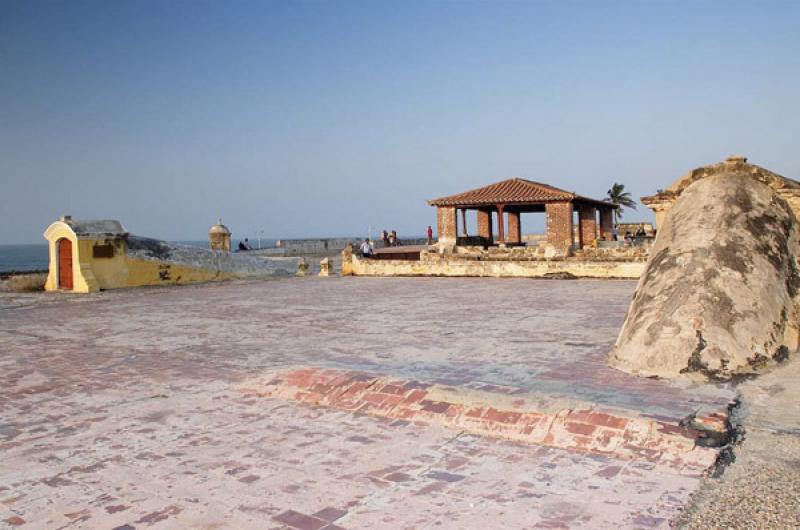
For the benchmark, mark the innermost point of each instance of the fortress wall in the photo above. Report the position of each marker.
(322, 246)
(432, 264)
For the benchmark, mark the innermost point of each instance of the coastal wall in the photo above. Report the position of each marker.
(293, 247)
(313, 246)
(433, 264)
(113, 261)
(151, 260)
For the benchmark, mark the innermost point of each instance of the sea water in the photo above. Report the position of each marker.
(34, 257)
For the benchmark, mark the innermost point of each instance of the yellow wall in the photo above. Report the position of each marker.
(92, 274)
(138, 272)
(83, 281)
(452, 266)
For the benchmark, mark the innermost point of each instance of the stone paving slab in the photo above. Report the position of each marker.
(217, 458)
(124, 409)
(533, 334)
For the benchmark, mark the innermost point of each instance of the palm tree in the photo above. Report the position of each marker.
(620, 197)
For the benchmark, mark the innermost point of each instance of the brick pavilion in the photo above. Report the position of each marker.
(508, 199)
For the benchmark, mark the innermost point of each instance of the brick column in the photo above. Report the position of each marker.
(559, 225)
(485, 225)
(606, 223)
(501, 236)
(587, 220)
(446, 222)
(514, 228)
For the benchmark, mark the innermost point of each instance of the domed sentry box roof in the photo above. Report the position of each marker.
(219, 228)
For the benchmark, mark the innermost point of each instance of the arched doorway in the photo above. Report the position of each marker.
(64, 247)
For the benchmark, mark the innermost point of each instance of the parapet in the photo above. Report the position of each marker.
(90, 255)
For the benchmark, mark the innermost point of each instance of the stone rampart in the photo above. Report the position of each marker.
(293, 247)
(314, 246)
(224, 264)
(511, 264)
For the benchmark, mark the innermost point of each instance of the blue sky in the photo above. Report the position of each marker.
(322, 118)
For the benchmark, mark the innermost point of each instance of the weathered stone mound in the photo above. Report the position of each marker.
(718, 295)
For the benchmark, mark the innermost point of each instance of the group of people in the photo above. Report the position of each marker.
(629, 237)
(390, 238)
(637, 237)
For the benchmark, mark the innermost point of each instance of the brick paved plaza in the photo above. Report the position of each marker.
(130, 409)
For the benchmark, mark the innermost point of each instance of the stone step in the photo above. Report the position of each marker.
(686, 445)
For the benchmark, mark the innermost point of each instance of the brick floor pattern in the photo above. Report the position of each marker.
(613, 432)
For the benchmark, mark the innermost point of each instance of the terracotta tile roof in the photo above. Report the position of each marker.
(511, 191)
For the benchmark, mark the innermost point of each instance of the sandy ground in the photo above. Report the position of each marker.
(124, 409)
(761, 489)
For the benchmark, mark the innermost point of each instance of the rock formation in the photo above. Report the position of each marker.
(719, 295)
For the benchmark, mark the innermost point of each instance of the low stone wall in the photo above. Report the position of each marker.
(151, 262)
(237, 264)
(638, 251)
(534, 239)
(634, 227)
(23, 282)
(404, 242)
(297, 247)
(497, 266)
(314, 246)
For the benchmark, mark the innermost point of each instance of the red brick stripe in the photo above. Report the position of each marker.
(618, 433)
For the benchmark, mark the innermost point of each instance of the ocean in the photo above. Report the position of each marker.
(34, 256)
(23, 257)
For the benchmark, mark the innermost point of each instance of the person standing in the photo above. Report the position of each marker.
(366, 249)
(430, 235)
(615, 233)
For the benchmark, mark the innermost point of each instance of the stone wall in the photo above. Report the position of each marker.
(634, 227)
(227, 264)
(534, 239)
(305, 247)
(314, 246)
(609, 250)
(515, 263)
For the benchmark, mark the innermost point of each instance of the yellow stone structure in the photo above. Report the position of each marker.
(99, 260)
(219, 237)
(325, 267)
(499, 265)
(785, 188)
(92, 255)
